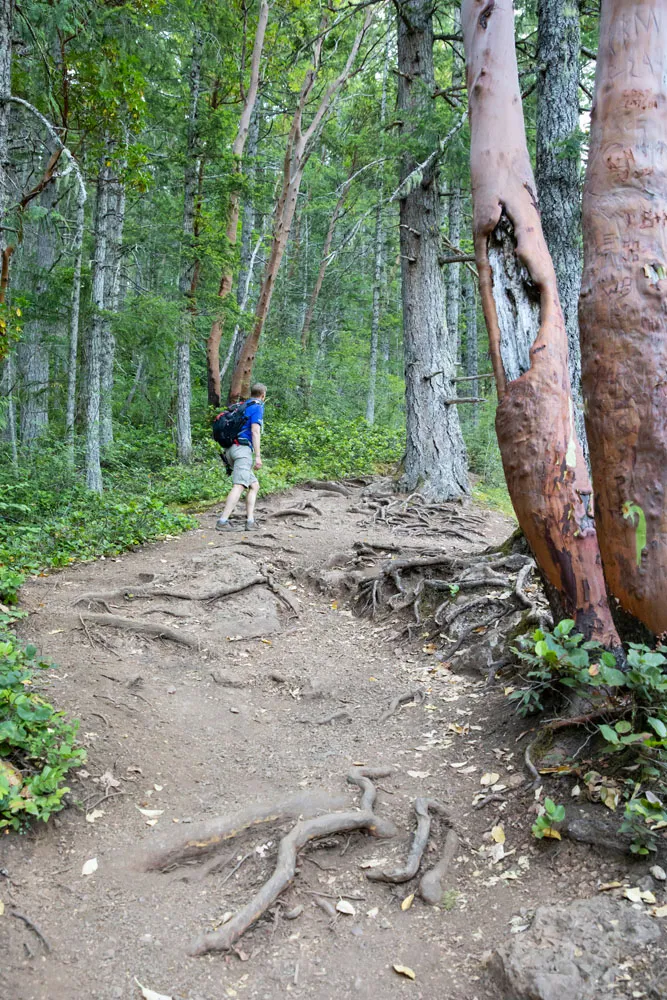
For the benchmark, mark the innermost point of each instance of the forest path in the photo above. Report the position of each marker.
(205, 730)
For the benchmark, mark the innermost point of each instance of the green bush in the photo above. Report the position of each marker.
(37, 744)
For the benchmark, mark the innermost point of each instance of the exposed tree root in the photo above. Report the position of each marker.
(423, 809)
(303, 510)
(328, 487)
(342, 715)
(134, 593)
(281, 592)
(528, 760)
(305, 831)
(417, 696)
(152, 629)
(204, 838)
(431, 888)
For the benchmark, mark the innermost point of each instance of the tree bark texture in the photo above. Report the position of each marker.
(435, 461)
(472, 345)
(189, 270)
(94, 339)
(227, 279)
(75, 305)
(544, 466)
(33, 350)
(6, 26)
(9, 433)
(622, 308)
(116, 222)
(453, 271)
(297, 152)
(557, 167)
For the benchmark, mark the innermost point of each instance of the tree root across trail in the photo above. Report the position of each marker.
(209, 837)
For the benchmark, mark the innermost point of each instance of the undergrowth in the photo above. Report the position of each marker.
(627, 716)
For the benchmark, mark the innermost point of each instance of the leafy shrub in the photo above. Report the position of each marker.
(37, 744)
(545, 824)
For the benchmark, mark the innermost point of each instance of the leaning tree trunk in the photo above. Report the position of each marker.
(94, 339)
(435, 460)
(189, 270)
(544, 465)
(227, 279)
(622, 307)
(557, 167)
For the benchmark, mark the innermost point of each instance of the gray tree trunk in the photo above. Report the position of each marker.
(453, 271)
(379, 255)
(6, 26)
(188, 264)
(435, 460)
(9, 432)
(116, 217)
(472, 344)
(557, 169)
(74, 319)
(94, 339)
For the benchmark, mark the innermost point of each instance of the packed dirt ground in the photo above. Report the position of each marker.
(235, 714)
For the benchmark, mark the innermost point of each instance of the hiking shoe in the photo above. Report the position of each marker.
(223, 525)
(251, 526)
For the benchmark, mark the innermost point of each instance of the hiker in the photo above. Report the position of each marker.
(244, 455)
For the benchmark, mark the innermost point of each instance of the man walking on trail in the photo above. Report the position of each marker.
(243, 456)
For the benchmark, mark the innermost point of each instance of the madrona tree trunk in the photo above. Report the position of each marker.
(622, 309)
(435, 461)
(189, 270)
(544, 465)
(557, 167)
(94, 338)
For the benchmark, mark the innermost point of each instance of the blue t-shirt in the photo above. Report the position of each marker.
(254, 414)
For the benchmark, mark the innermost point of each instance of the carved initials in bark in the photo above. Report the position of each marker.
(544, 467)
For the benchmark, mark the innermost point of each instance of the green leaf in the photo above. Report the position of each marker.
(613, 677)
(659, 726)
(609, 734)
(623, 727)
(630, 512)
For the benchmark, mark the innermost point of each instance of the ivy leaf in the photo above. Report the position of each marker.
(610, 735)
(659, 726)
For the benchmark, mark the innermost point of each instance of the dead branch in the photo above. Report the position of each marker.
(151, 629)
(430, 887)
(33, 927)
(423, 809)
(417, 696)
(290, 845)
(204, 838)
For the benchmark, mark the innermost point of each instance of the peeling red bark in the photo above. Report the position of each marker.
(623, 304)
(544, 466)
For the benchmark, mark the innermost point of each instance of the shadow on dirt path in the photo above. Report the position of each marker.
(226, 710)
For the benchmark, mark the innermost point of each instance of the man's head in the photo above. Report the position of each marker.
(258, 391)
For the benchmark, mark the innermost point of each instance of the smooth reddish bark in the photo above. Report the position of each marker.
(544, 466)
(227, 279)
(622, 309)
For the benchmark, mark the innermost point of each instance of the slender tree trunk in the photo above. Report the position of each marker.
(557, 167)
(453, 271)
(324, 262)
(6, 28)
(189, 270)
(472, 346)
(33, 351)
(544, 465)
(378, 265)
(236, 342)
(94, 339)
(435, 461)
(8, 377)
(136, 382)
(74, 319)
(298, 150)
(116, 213)
(227, 280)
(622, 307)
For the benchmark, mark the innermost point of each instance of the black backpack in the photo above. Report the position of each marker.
(227, 425)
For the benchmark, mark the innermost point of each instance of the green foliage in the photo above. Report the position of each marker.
(37, 744)
(550, 814)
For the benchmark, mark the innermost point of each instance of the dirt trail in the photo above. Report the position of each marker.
(207, 729)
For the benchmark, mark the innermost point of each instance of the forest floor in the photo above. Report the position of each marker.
(190, 733)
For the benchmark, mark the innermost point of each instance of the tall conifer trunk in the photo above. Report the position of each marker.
(435, 461)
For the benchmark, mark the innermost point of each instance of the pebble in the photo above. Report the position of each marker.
(658, 872)
(233, 710)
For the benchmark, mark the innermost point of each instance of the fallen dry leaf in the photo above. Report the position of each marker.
(551, 833)
(404, 970)
(610, 885)
(89, 867)
(659, 911)
(372, 913)
(95, 814)
(634, 894)
(151, 994)
(151, 813)
(498, 834)
(407, 903)
(490, 778)
(344, 907)
(373, 863)
(419, 774)
(2, 907)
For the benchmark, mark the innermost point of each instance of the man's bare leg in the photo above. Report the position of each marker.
(231, 502)
(250, 501)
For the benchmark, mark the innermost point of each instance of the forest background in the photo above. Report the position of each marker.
(136, 107)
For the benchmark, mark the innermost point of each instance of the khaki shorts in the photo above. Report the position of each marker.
(241, 458)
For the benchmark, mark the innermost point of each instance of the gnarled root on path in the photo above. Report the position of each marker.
(290, 845)
(205, 838)
(418, 695)
(133, 593)
(430, 887)
(151, 629)
(423, 809)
